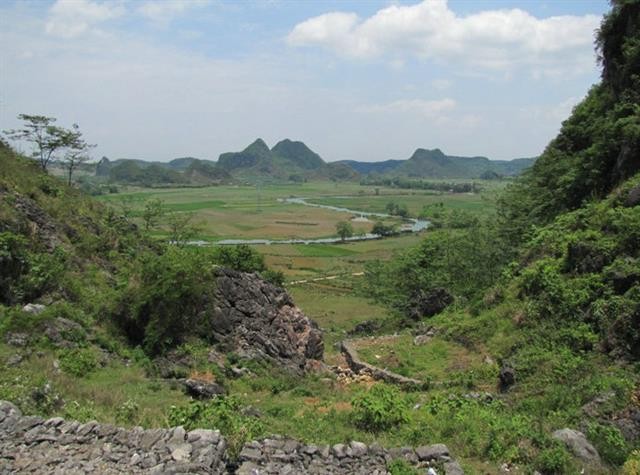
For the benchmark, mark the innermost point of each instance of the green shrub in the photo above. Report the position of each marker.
(167, 298)
(610, 443)
(80, 412)
(78, 362)
(379, 408)
(242, 258)
(25, 275)
(401, 467)
(127, 412)
(222, 413)
(553, 460)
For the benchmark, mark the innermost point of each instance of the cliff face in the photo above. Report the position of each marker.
(258, 320)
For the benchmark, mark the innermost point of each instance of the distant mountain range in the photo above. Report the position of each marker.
(435, 164)
(294, 161)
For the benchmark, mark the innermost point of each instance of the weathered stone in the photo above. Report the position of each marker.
(578, 444)
(507, 377)
(633, 197)
(432, 452)
(14, 360)
(420, 340)
(339, 450)
(33, 308)
(203, 389)
(258, 320)
(453, 468)
(248, 468)
(17, 339)
(203, 436)
(248, 453)
(181, 452)
(64, 333)
(357, 449)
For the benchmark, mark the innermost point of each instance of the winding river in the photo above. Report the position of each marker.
(413, 226)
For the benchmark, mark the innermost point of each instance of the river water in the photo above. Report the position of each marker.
(412, 226)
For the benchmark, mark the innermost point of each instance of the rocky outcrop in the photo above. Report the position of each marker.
(39, 222)
(30, 444)
(361, 367)
(258, 320)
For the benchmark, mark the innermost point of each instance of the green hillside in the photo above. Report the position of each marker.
(552, 291)
(287, 160)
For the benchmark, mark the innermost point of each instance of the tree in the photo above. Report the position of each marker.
(77, 149)
(46, 138)
(344, 230)
(382, 229)
(181, 228)
(152, 213)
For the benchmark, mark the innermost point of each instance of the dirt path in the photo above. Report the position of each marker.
(330, 277)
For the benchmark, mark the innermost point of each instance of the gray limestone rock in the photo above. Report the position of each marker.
(578, 444)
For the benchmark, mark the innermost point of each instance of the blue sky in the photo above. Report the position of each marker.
(365, 80)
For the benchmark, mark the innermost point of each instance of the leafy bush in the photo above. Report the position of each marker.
(553, 460)
(127, 412)
(78, 362)
(610, 443)
(401, 467)
(167, 298)
(379, 408)
(242, 258)
(222, 413)
(81, 412)
(24, 274)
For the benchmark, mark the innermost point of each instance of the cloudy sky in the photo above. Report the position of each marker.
(364, 79)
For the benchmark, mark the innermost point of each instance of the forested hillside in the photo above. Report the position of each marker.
(553, 288)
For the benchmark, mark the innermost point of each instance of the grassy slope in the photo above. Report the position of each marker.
(317, 409)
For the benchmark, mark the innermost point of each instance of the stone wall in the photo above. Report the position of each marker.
(30, 444)
(279, 456)
(362, 367)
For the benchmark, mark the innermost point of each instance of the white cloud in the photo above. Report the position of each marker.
(493, 40)
(420, 107)
(162, 12)
(72, 18)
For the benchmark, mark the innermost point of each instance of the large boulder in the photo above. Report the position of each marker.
(258, 320)
(578, 445)
(199, 389)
